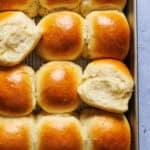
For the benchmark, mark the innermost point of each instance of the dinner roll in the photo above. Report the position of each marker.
(59, 133)
(47, 6)
(57, 84)
(62, 36)
(16, 133)
(106, 131)
(17, 92)
(108, 35)
(90, 5)
(18, 37)
(107, 84)
(30, 7)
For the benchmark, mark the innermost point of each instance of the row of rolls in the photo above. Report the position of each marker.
(91, 130)
(60, 87)
(43, 7)
(64, 35)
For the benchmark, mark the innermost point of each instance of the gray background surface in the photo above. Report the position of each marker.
(144, 72)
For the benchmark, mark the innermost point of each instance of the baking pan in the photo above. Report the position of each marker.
(131, 60)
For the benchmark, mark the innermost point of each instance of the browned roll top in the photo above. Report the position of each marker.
(9, 4)
(108, 35)
(59, 133)
(28, 6)
(62, 36)
(106, 130)
(57, 84)
(16, 134)
(58, 2)
(16, 93)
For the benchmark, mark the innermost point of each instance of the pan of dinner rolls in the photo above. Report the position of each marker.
(68, 75)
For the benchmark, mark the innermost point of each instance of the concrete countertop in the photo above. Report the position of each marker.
(144, 72)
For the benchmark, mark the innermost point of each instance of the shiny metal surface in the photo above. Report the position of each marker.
(133, 114)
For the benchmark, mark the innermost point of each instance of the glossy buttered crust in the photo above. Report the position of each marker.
(47, 6)
(108, 35)
(16, 133)
(62, 36)
(106, 130)
(30, 7)
(17, 92)
(93, 131)
(59, 133)
(57, 84)
(90, 5)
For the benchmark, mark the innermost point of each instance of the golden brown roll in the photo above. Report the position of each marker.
(57, 84)
(30, 7)
(18, 37)
(16, 133)
(62, 36)
(90, 5)
(108, 35)
(106, 131)
(59, 133)
(17, 92)
(47, 6)
(107, 84)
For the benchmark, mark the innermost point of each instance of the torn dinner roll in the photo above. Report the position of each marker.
(107, 84)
